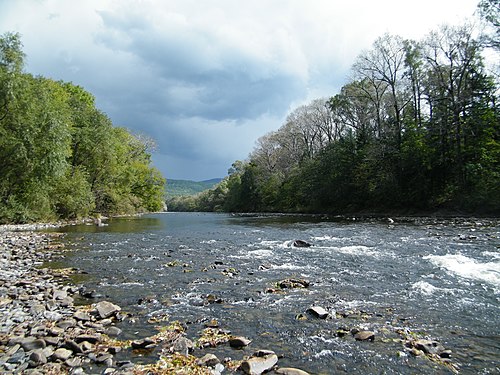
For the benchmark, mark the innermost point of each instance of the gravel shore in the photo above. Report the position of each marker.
(41, 330)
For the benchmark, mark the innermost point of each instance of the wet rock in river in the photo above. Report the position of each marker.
(262, 361)
(293, 283)
(318, 312)
(301, 243)
(429, 346)
(364, 336)
(113, 331)
(239, 342)
(146, 343)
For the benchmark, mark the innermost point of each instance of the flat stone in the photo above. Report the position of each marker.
(318, 312)
(52, 340)
(106, 309)
(59, 294)
(31, 343)
(143, 344)
(429, 346)
(113, 331)
(209, 360)
(62, 354)
(65, 324)
(18, 357)
(74, 362)
(364, 336)
(82, 316)
(238, 342)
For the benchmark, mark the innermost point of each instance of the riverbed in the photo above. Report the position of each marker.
(404, 278)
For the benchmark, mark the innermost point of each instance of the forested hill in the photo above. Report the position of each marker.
(176, 188)
(417, 129)
(60, 156)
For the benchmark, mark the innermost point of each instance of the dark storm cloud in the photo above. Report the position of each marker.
(196, 76)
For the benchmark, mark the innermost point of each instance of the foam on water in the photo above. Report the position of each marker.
(460, 265)
(424, 287)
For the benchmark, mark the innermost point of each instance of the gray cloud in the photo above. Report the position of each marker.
(207, 78)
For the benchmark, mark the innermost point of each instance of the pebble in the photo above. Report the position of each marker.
(40, 327)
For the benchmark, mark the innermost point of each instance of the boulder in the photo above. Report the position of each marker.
(106, 309)
(318, 312)
(429, 346)
(301, 243)
(259, 363)
(183, 346)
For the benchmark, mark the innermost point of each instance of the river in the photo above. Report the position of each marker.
(417, 277)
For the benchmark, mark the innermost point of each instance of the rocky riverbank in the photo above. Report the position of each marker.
(43, 331)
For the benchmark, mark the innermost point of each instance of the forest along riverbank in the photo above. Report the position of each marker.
(42, 331)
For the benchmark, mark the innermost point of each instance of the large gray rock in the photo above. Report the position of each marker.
(106, 309)
(261, 362)
(429, 346)
(183, 346)
(318, 312)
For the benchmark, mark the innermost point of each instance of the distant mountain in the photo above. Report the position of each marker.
(186, 187)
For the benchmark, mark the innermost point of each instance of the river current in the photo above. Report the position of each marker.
(437, 279)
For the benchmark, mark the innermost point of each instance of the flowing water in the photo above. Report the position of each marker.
(426, 278)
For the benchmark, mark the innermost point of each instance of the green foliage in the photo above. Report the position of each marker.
(60, 157)
(418, 128)
(175, 188)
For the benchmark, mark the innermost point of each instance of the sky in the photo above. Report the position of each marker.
(207, 78)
